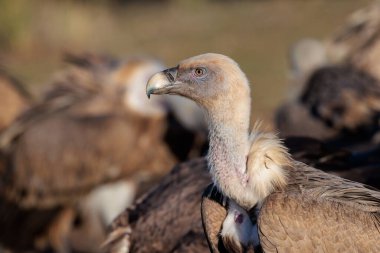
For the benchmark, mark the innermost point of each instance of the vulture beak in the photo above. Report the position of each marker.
(161, 82)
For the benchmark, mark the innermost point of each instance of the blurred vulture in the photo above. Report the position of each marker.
(298, 208)
(168, 218)
(337, 102)
(357, 42)
(353, 51)
(304, 57)
(74, 161)
(14, 99)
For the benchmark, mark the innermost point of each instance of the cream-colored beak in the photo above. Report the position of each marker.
(157, 83)
(161, 82)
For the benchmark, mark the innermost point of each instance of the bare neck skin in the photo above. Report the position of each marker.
(229, 142)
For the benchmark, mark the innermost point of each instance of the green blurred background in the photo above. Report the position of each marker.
(257, 34)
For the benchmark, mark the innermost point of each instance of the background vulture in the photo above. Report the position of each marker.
(347, 62)
(166, 219)
(71, 156)
(338, 104)
(256, 173)
(357, 42)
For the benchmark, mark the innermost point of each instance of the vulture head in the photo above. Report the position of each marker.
(131, 77)
(206, 79)
(121, 80)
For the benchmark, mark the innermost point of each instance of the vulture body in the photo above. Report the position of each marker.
(339, 105)
(255, 172)
(135, 229)
(346, 99)
(13, 101)
(88, 132)
(166, 219)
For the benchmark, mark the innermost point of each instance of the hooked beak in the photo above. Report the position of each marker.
(161, 82)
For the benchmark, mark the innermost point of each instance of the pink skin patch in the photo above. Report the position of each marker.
(239, 218)
(244, 178)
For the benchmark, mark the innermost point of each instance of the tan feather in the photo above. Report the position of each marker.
(82, 135)
(299, 203)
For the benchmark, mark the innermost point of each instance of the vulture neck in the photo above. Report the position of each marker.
(246, 167)
(229, 144)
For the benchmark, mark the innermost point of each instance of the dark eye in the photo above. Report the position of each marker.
(198, 72)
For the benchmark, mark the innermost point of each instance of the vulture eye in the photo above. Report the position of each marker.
(199, 72)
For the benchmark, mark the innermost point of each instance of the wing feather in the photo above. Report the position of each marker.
(318, 211)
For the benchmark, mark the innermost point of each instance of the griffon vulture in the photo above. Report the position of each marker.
(338, 104)
(292, 118)
(300, 208)
(156, 222)
(69, 157)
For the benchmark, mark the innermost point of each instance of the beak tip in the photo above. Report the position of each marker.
(149, 92)
(157, 84)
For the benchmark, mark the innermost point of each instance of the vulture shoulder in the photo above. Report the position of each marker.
(310, 198)
(166, 219)
(307, 213)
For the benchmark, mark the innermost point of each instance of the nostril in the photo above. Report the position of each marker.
(170, 77)
(171, 74)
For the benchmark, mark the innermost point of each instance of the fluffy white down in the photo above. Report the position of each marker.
(266, 164)
(136, 98)
(245, 233)
(110, 200)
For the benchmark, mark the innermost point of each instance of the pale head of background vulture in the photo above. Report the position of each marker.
(305, 56)
(256, 172)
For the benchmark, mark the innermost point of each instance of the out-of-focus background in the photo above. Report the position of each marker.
(257, 34)
(81, 141)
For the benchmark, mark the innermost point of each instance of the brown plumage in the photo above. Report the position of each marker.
(167, 219)
(357, 42)
(340, 106)
(344, 98)
(337, 101)
(136, 223)
(255, 171)
(86, 132)
(14, 99)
